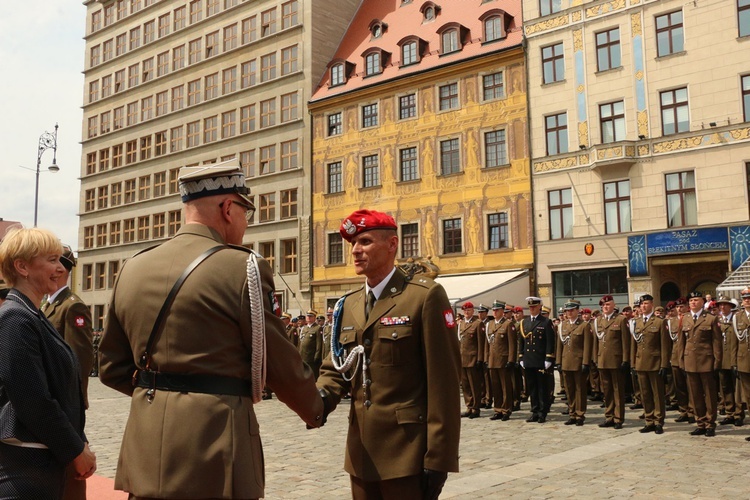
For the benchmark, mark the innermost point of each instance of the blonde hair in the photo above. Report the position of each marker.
(25, 244)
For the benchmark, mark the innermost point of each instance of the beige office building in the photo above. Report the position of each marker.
(170, 83)
(640, 137)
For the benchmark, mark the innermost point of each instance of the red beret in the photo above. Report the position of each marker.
(681, 301)
(586, 310)
(365, 220)
(467, 305)
(518, 309)
(606, 298)
(671, 305)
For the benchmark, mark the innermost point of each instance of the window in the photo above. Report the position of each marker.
(409, 240)
(248, 70)
(249, 30)
(612, 117)
(337, 75)
(194, 51)
(210, 129)
(247, 161)
(449, 41)
(109, 14)
(107, 50)
(669, 34)
(497, 231)
(144, 228)
(608, 50)
(101, 235)
(372, 64)
(212, 44)
(335, 178)
(547, 7)
(128, 231)
(87, 275)
(370, 171)
(229, 80)
(268, 22)
(119, 80)
(162, 64)
(247, 119)
(114, 233)
(493, 28)
(335, 248)
(743, 15)
(407, 106)
(230, 37)
(409, 54)
(449, 158)
(553, 64)
(147, 108)
(746, 95)
(101, 278)
(288, 107)
(268, 251)
(120, 44)
(106, 86)
(90, 200)
(103, 197)
(289, 60)
(452, 236)
(160, 184)
(592, 283)
(95, 54)
(163, 25)
(268, 67)
(144, 187)
(267, 208)
(267, 159)
(174, 175)
(334, 124)
(178, 94)
(492, 86)
(289, 204)
(194, 92)
(135, 6)
(131, 152)
(448, 96)
(103, 160)
(129, 191)
(369, 115)
(495, 149)
(162, 103)
(178, 58)
(556, 131)
(175, 222)
(180, 15)
(196, 11)
(408, 170)
(674, 111)
(90, 163)
(681, 200)
(158, 225)
(116, 194)
(114, 270)
(228, 124)
(560, 213)
(617, 207)
(268, 113)
(149, 31)
(88, 237)
(289, 155)
(133, 75)
(135, 38)
(212, 7)
(117, 156)
(93, 126)
(289, 256)
(289, 14)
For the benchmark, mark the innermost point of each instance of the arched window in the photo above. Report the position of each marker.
(377, 28)
(372, 63)
(429, 11)
(495, 22)
(412, 49)
(337, 74)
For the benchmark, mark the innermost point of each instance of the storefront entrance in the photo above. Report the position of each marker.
(677, 276)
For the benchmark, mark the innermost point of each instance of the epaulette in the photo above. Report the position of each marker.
(421, 281)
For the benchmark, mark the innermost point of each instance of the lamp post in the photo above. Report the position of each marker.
(46, 141)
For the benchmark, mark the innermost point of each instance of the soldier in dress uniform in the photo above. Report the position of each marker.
(650, 350)
(742, 322)
(404, 424)
(682, 394)
(501, 356)
(613, 360)
(520, 393)
(595, 387)
(472, 340)
(71, 317)
(311, 342)
(727, 374)
(700, 351)
(482, 313)
(327, 325)
(537, 357)
(290, 328)
(574, 347)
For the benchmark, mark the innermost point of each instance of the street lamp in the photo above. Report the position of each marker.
(46, 141)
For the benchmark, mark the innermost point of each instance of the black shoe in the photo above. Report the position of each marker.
(506, 417)
(346, 396)
(642, 416)
(727, 421)
(565, 412)
(618, 425)
(603, 405)
(570, 421)
(487, 406)
(474, 415)
(466, 414)
(739, 422)
(607, 423)
(710, 432)
(563, 398)
(700, 431)
(659, 429)
(722, 412)
(629, 400)
(560, 393)
(691, 420)
(533, 418)
(636, 406)
(681, 418)
(496, 416)
(525, 399)
(648, 428)
(542, 419)
(579, 423)
(747, 438)
(517, 407)
(673, 407)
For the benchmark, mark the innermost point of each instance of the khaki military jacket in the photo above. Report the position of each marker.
(700, 343)
(575, 344)
(674, 327)
(292, 334)
(471, 337)
(651, 346)
(327, 340)
(743, 345)
(311, 343)
(194, 445)
(612, 342)
(729, 342)
(406, 418)
(501, 342)
(71, 317)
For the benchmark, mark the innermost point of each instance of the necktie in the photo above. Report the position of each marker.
(369, 304)
(533, 318)
(695, 316)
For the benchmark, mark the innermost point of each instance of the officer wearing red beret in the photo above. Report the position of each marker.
(612, 360)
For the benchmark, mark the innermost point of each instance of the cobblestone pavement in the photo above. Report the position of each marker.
(498, 459)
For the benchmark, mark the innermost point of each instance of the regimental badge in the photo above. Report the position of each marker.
(349, 227)
(80, 321)
(399, 320)
(274, 304)
(450, 321)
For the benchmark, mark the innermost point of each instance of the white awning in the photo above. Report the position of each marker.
(737, 281)
(483, 288)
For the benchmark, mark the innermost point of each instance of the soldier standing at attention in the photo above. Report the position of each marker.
(327, 325)
(612, 360)
(520, 391)
(472, 340)
(311, 342)
(742, 322)
(574, 346)
(482, 312)
(537, 357)
(395, 348)
(699, 347)
(289, 328)
(501, 355)
(728, 372)
(650, 350)
(194, 374)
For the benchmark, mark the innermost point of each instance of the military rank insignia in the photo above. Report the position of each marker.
(400, 320)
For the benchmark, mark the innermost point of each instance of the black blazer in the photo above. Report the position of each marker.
(40, 386)
(537, 342)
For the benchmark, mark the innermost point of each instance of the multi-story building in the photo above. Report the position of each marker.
(640, 145)
(170, 83)
(422, 114)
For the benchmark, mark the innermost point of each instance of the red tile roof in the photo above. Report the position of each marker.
(402, 20)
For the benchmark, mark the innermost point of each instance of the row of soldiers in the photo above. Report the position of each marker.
(687, 351)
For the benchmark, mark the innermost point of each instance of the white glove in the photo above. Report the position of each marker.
(522, 365)
(547, 365)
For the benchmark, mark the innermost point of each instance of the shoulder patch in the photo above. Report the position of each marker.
(80, 321)
(450, 321)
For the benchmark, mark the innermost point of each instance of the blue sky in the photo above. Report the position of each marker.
(41, 56)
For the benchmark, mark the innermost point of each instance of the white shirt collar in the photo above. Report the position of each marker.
(52, 297)
(377, 290)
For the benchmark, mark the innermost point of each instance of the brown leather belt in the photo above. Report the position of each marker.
(183, 382)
